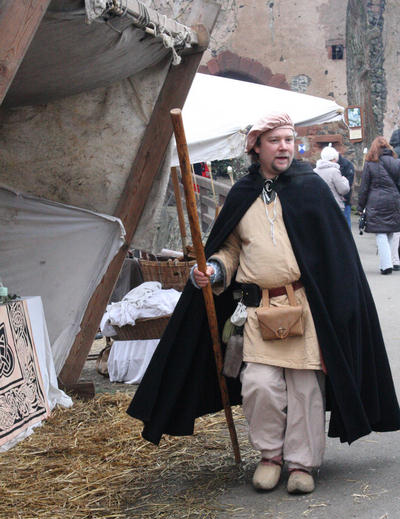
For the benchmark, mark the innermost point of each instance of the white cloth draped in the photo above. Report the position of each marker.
(146, 300)
(128, 360)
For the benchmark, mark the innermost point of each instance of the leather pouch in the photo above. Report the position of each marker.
(233, 356)
(279, 322)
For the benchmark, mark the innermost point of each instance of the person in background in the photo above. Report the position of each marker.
(201, 169)
(329, 170)
(395, 143)
(347, 170)
(380, 196)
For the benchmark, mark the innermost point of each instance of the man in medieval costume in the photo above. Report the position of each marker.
(281, 239)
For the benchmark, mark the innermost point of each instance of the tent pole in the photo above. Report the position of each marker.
(184, 161)
(179, 208)
(19, 21)
(137, 189)
(217, 208)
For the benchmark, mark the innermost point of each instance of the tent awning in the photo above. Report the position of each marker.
(68, 56)
(218, 110)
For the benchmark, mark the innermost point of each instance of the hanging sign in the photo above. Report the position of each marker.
(354, 120)
(301, 148)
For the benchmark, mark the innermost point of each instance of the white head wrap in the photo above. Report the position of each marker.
(329, 153)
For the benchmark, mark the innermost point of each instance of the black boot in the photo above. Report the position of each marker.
(386, 271)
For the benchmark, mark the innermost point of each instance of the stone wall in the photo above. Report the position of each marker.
(291, 44)
(391, 47)
(292, 39)
(281, 43)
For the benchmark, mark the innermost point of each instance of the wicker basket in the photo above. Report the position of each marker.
(170, 273)
(144, 329)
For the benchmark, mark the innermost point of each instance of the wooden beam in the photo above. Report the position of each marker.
(133, 200)
(19, 20)
(84, 390)
(154, 144)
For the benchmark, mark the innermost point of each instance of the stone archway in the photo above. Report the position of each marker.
(228, 64)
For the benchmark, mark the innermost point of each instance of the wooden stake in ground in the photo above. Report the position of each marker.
(184, 161)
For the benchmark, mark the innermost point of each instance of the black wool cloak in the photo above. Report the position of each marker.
(181, 384)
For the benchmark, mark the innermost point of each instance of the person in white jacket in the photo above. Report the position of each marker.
(329, 170)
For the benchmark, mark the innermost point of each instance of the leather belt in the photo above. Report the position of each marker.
(252, 293)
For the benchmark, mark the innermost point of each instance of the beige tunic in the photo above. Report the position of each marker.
(250, 250)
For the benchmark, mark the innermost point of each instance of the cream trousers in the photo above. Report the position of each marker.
(285, 410)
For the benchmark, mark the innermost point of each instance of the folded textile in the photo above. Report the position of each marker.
(146, 300)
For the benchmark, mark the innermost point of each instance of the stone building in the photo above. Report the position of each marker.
(345, 49)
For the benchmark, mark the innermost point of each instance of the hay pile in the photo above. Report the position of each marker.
(90, 461)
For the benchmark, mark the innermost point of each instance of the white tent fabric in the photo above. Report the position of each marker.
(57, 252)
(76, 150)
(67, 56)
(218, 110)
(79, 150)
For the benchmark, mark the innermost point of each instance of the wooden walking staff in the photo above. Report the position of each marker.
(184, 161)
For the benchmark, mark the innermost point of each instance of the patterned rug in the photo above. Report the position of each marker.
(22, 398)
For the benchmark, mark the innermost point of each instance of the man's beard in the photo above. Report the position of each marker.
(279, 169)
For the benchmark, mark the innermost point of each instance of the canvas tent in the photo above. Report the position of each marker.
(84, 131)
(218, 110)
(84, 137)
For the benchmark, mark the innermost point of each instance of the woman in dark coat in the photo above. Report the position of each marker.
(379, 195)
(395, 143)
